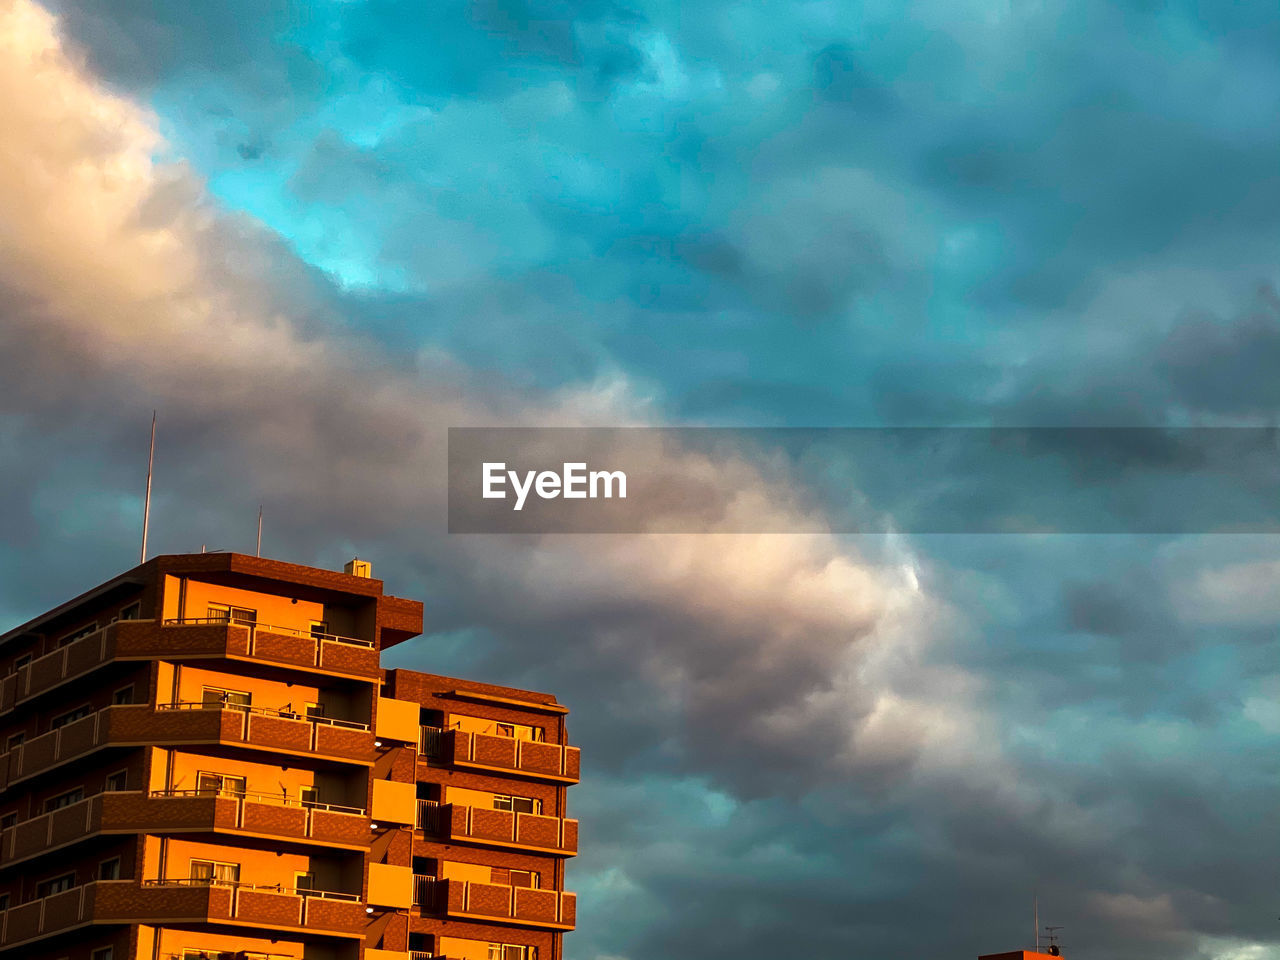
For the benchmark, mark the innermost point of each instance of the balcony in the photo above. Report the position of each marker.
(498, 828)
(481, 751)
(468, 900)
(184, 901)
(196, 639)
(187, 811)
(270, 643)
(257, 728)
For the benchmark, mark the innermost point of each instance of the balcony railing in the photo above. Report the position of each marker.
(276, 799)
(469, 900)
(274, 628)
(256, 728)
(262, 711)
(200, 637)
(164, 811)
(503, 828)
(245, 885)
(183, 901)
(530, 758)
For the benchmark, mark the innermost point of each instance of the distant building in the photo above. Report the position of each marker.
(203, 758)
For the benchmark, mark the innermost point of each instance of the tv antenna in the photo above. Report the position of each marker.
(1054, 946)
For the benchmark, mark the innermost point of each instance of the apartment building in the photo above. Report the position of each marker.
(202, 758)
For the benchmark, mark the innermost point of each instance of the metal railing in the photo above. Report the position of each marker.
(270, 628)
(263, 712)
(277, 799)
(426, 891)
(431, 817)
(245, 885)
(431, 741)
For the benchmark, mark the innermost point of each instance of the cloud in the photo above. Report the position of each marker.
(123, 269)
(805, 745)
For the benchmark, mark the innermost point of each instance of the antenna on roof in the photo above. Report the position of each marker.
(259, 529)
(1036, 917)
(1055, 947)
(146, 503)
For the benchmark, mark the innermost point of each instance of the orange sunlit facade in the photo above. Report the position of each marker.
(204, 758)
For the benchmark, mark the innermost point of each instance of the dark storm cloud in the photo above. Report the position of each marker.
(1227, 368)
(138, 43)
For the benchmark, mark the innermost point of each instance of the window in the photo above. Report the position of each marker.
(4, 901)
(103, 953)
(309, 795)
(313, 711)
(75, 635)
(15, 740)
(8, 820)
(225, 613)
(214, 871)
(123, 695)
(512, 951)
(524, 878)
(303, 881)
(21, 662)
(222, 697)
(109, 869)
(197, 954)
(212, 784)
(79, 713)
(319, 628)
(132, 611)
(516, 804)
(117, 781)
(57, 885)
(64, 799)
(505, 730)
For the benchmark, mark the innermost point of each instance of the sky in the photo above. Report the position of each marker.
(314, 236)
